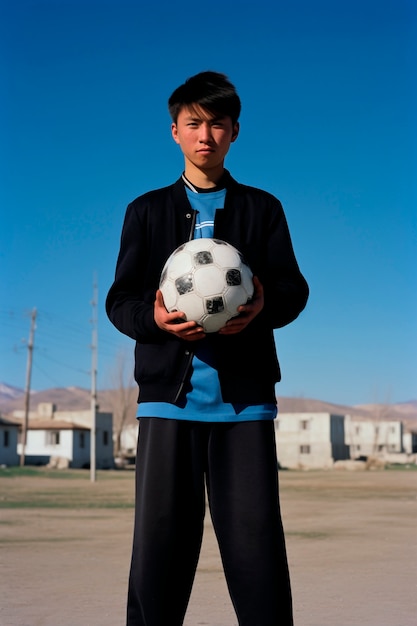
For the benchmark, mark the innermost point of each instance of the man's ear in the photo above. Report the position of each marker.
(174, 132)
(235, 133)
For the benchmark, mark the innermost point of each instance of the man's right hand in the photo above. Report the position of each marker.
(174, 323)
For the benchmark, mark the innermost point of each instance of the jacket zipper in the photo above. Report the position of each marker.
(193, 221)
(188, 353)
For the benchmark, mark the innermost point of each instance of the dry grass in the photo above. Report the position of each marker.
(66, 542)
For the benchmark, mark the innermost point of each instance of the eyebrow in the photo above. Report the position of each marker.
(196, 118)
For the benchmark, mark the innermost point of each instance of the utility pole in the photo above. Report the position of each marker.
(93, 385)
(27, 386)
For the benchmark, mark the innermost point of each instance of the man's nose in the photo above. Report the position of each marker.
(205, 132)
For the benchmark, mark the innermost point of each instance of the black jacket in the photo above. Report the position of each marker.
(158, 222)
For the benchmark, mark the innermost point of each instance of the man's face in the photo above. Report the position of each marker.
(204, 138)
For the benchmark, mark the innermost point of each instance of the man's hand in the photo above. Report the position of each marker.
(247, 312)
(174, 323)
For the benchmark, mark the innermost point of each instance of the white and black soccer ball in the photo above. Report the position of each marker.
(208, 280)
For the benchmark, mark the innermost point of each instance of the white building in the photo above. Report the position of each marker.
(310, 440)
(373, 438)
(129, 438)
(410, 442)
(8, 442)
(65, 436)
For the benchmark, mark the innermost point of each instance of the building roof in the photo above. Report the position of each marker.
(7, 422)
(38, 424)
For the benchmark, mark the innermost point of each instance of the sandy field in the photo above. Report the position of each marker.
(351, 538)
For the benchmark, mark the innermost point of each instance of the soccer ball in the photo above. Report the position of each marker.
(207, 279)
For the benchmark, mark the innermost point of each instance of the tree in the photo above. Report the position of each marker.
(122, 397)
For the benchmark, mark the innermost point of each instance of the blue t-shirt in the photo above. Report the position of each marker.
(202, 400)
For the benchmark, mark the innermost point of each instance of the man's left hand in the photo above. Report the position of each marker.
(247, 312)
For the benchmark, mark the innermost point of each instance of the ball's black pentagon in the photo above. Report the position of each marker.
(184, 284)
(233, 277)
(204, 257)
(214, 305)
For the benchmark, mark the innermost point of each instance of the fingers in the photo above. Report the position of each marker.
(174, 322)
(247, 312)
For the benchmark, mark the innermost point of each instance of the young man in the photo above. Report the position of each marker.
(206, 401)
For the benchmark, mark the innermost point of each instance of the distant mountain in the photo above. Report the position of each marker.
(401, 408)
(65, 398)
(402, 411)
(7, 393)
(76, 398)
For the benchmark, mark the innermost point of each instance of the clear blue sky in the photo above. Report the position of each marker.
(328, 126)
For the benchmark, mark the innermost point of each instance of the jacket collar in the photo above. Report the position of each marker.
(179, 190)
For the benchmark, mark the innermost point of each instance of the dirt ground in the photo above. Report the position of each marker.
(351, 539)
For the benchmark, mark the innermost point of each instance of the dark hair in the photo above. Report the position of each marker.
(210, 90)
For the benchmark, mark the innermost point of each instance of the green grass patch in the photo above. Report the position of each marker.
(48, 504)
(42, 472)
(402, 467)
(307, 534)
(32, 540)
(66, 474)
(42, 488)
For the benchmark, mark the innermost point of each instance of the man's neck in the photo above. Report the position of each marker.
(205, 179)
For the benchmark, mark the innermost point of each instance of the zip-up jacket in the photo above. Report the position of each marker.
(157, 223)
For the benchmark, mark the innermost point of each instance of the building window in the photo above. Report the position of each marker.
(357, 430)
(392, 429)
(6, 438)
(305, 449)
(305, 424)
(53, 438)
(82, 440)
(105, 437)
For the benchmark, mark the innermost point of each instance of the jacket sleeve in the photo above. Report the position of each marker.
(285, 289)
(129, 305)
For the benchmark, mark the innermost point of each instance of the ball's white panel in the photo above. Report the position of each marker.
(208, 280)
(213, 323)
(234, 297)
(192, 305)
(180, 264)
(169, 294)
(226, 256)
(247, 280)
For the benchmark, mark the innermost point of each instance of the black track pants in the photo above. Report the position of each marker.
(175, 460)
